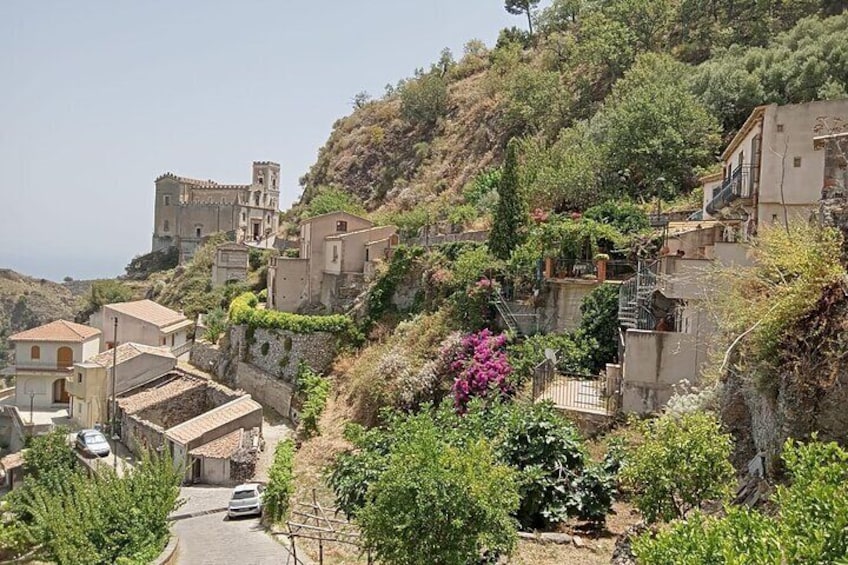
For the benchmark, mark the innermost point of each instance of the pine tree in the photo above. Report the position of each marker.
(509, 214)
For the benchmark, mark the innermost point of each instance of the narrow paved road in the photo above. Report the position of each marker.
(209, 539)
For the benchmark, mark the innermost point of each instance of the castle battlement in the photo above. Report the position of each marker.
(199, 208)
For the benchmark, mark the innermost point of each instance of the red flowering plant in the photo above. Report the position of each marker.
(480, 368)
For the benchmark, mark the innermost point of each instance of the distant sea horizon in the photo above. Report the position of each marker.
(56, 269)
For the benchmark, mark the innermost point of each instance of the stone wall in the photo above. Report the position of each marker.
(191, 403)
(279, 353)
(139, 434)
(205, 356)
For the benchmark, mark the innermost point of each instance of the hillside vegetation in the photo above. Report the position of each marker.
(26, 302)
(610, 99)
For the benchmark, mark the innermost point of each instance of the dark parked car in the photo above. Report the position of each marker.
(92, 442)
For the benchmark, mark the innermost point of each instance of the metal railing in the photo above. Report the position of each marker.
(576, 392)
(740, 184)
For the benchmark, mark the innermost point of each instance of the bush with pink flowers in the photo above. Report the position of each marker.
(481, 368)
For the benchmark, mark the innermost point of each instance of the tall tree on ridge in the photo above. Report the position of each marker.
(522, 7)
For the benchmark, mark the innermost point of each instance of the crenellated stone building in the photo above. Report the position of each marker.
(188, 210)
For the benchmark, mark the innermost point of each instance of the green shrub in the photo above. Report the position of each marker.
(101, 293)
(243, 311)
(327, 199)
(809, 523)
(216, 325)
(681, 463)
(280, 482)
(437, 503)
(424, 98)
(315, 389)
(103, 519)
(379, 299)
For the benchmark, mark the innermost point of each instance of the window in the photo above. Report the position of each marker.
(173, 339)
(256, 196)
(796, 162)
(341, 225)
(167, 199)
(244, 216)
(164, 341)
(779, 128)
(335, 253)
(166, 226)
(261, 180)
(367, 254)
(774, 218)
(197, 231)
(35, 353)
(79, 377)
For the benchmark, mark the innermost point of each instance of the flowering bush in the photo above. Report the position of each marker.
(480, 368)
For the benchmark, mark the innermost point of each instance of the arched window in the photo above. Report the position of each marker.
(256, 196)
(65, 357)
(35, 353)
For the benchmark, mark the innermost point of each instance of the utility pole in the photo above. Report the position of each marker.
(114, 396)
(31, 399)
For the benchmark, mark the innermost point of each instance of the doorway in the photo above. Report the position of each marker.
(60, 394)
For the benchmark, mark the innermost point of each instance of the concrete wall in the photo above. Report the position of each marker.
(653, 362)
(214, 471)
(267, 390)
(353, 250)
(564, 300)
(312, 237)
(288, 284)
(131, 329)
(230, 264)
(40, 384)
(684, 278)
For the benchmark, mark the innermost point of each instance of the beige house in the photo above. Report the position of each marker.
(45, 357)
(188, 210)
(771, 170)
(332, 247)
(144, 322)
(230, 263)
(90, 385)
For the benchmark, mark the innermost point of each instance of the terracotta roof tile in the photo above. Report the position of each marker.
(128, 351)
(138, 401)
(222, 448)
(60, 330)
(148, 311)
(208, 421)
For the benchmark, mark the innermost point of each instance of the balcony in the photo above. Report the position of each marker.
(740, 184)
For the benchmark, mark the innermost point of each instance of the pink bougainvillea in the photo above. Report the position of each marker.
(480, 368)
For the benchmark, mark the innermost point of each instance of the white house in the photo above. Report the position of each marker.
(144, 322)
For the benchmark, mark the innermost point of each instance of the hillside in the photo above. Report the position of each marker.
(26, 302)
(609, 99)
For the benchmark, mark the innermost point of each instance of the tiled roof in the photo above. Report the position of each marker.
(150, 396)
(127, 351)
(208, 421)
(148, 311)
(222, 448)
(60, 330)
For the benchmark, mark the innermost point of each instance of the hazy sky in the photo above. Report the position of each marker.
(97, 98)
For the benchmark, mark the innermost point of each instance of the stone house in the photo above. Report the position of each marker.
(183, 411)
(90, 385)
(188, 210)
(144, 322)
(45, 357)
(230, 263)
(771, 170)
(336, 251)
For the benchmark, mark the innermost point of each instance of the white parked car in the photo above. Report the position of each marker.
(246, 500)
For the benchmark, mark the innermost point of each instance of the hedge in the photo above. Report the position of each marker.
(243, 311)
